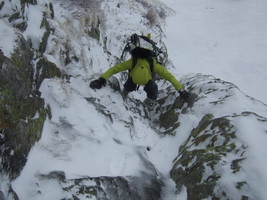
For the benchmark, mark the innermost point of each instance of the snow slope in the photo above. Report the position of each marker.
(226, 39)
(78, 139)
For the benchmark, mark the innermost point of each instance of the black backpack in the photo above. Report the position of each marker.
(140, 46)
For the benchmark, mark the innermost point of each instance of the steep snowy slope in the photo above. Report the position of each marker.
(226, 39)
(94, 145)
(102, 149)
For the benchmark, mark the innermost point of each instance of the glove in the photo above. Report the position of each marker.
(98, 83)
(185, 96)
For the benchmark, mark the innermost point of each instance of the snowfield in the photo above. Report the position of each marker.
(226, 39)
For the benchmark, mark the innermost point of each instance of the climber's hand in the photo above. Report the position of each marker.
(185, 96)
(98, 83)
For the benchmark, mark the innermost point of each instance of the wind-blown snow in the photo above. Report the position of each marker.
(226, 39)
(34, 14)
(7, 38)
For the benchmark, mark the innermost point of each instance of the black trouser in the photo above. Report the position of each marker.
(151, 88)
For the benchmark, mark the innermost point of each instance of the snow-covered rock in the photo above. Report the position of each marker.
(96, 145)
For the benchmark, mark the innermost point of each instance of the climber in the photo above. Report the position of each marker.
(141, 67)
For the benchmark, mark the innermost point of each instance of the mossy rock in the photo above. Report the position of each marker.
(21, 107)
(203, 154)
(94, 33)
(21, 126)
(44, 40)
(26, 2)
(169, 121)
(51, 8)
(45, 69)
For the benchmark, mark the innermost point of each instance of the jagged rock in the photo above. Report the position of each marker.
(51, 8)
(43, 43)
(45, 69)
(192, 164)
(166, 114)
(19, 105)
(22, 109)
(147, 186)
(15, 19)
(214, 149)
(94, 33)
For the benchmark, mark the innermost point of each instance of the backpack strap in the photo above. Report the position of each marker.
(134, 62)
(151, 63)
(149, 60)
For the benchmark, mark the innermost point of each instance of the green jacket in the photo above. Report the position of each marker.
(141, 74)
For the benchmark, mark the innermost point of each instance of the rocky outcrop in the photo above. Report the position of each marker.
(22, 110)
(203, 157)
(21, 114)
(212, 161)
(146, 187)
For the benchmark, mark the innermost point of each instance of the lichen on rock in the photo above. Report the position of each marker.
(22, 109)
(203, 157)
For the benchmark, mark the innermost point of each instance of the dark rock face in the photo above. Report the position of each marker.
(22, 109)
